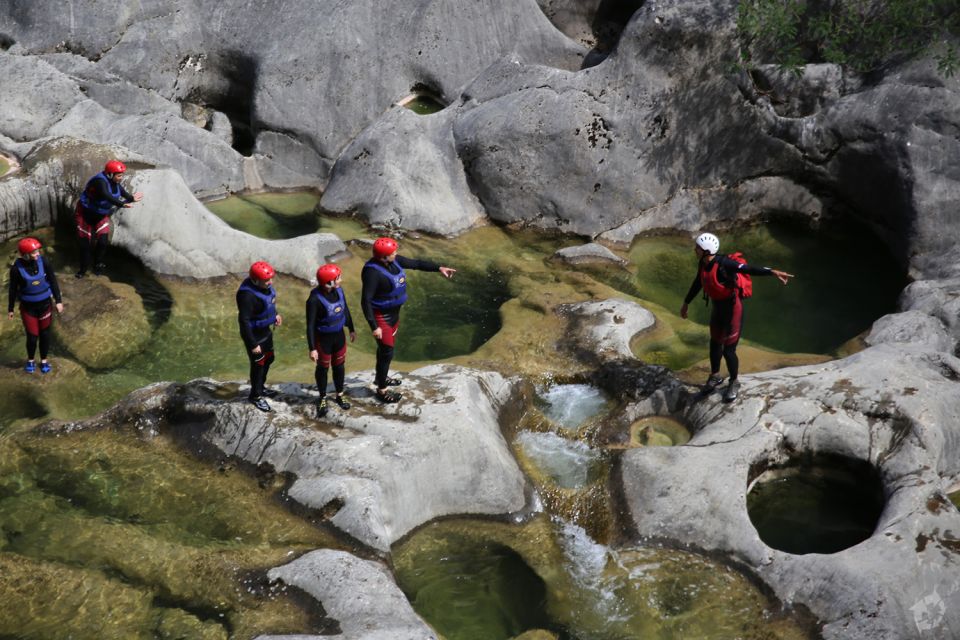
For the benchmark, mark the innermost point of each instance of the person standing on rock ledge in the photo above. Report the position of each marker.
(101, 198)
(725, 281)
(327, 315)
(33, 282)
(257, 315)
(384, 292)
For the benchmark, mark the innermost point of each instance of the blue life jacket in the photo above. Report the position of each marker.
(268, 316)
(397, 295)
(102, 206)
(336, 315)
(37, 288)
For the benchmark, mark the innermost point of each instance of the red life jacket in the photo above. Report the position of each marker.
(716, 290)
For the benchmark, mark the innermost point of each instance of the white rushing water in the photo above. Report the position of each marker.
(568, 462)
(570, 405)
(587, 563)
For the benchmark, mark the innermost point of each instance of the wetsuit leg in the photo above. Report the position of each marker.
(100, 250)
(36, 324)
(324, 350)
(389, 322)
(86, 253)
(726, 324)
(260, 366)
(339, 358)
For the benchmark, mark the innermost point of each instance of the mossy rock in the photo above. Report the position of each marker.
(103, 323)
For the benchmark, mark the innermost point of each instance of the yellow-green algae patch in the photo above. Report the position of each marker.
(658, 431)
(103, 514)
(955, 498)
(656, 594)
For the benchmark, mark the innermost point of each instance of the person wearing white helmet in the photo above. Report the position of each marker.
(725, 281)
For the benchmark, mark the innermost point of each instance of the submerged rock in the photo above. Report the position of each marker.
(103, 323)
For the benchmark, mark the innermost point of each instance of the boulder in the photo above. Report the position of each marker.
(377, 471)
(590, 253)
(360, 594)
(600, 330)
(173, 233)
(900, 419)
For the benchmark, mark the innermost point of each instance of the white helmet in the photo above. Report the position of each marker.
(709, 243)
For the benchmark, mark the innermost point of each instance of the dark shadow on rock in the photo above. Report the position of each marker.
(231, 93)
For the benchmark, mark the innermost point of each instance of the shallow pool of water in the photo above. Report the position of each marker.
(821, 509)
(840, 287)
(463, 576)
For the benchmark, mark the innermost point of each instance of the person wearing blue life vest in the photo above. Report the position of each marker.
(102, 196)
(327, 315)
(722, 279)
(383, 293)
(257, 315)
(34, 283)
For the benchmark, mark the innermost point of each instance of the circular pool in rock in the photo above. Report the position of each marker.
(658, 431)
(821, 504)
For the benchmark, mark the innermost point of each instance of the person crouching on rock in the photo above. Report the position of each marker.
(724, 281)
(384, 292)
(33, 282)
(327, 315)
(257, 315)
(101, 198)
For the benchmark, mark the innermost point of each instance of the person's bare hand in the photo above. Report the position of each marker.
(447, 272)
(378, 333)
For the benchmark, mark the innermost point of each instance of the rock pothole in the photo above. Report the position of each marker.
(815, 504)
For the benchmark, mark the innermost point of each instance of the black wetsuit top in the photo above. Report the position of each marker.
(17, 283)
(316, 311)
(376, 285)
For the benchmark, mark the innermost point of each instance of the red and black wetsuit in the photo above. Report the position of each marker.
(36, 314)
(101, 197)
(325, 334)
(256, 315)
(717, 277)
(378, 288)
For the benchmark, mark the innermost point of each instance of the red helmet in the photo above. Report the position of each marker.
(382, 247)
(261, 271)
(114, 166)
(28, 245)
(328, 273)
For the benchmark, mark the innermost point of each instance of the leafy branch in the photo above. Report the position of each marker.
(860, 34)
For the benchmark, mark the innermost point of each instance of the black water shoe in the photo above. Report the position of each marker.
(388, 397)
(322, 407)
(261, 404)
(341, 402)
(732, 391)
(393, 382)
(714, 381)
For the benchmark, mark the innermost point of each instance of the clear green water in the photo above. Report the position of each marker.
(476, 580)
(4, 166)
(277, 216)
(424, 105)
(816, 510)
(840, 287)
(107, 535)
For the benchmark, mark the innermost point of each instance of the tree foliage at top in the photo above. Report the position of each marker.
(860, 34)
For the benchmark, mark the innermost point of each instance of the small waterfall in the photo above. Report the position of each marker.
(587, 562)
(570, 405)
(569, 463)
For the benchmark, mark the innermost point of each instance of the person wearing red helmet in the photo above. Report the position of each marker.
(257, 315)
(383, 293)
(34, 283)
(102, 196)
(327, 315)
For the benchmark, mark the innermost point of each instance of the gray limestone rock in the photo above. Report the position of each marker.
(173, 233)
(914, 328)
(386, 468)
(588, 253)
(602, 329)
(901, 419)
(35, 96)
(360, 594)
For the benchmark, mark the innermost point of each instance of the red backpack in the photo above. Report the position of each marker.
(744, 281)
